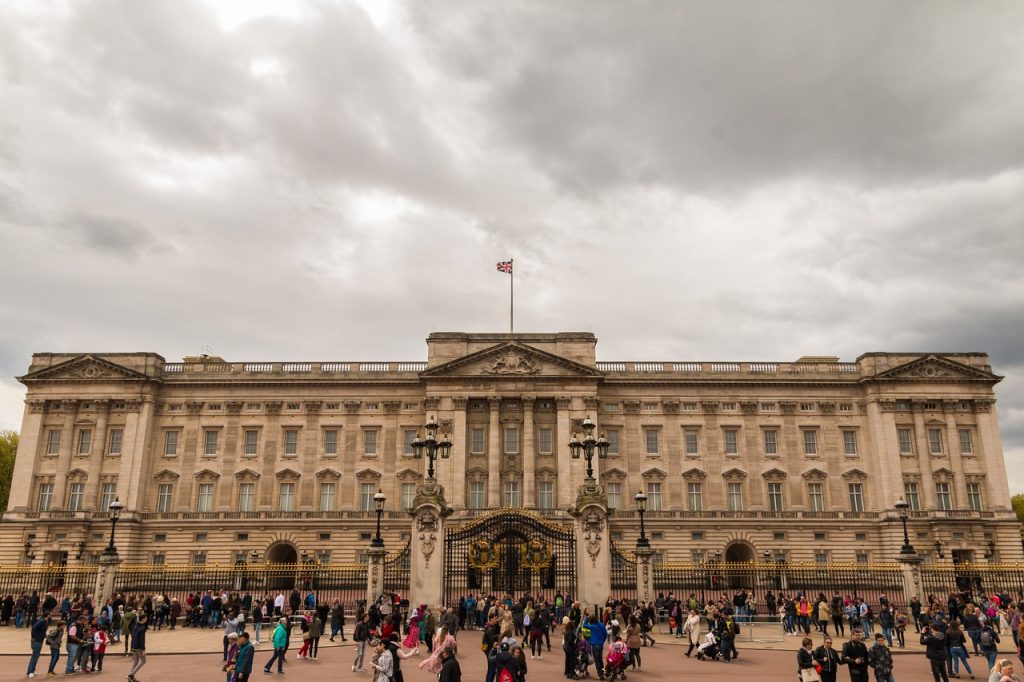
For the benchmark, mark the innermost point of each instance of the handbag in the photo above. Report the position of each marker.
(809, 675)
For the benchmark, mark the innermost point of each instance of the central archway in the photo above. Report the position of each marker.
(739, 576)
(282, 553)
(284, 558)
(739, 553)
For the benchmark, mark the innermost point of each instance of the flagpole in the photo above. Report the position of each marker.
(511, 296)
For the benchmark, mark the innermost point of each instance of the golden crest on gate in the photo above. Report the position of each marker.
(482, 555)
(535, 555)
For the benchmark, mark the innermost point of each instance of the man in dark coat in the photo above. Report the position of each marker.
(936, 651)
(450, 670)
(855, 656)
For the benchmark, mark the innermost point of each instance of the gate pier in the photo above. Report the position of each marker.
(594, 562)
(429, 510)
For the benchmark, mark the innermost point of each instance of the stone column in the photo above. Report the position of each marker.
(563, 461)
(67, 443)
(460, 446)
(929, 500)
(32, 449)
(375, 573)
(956, 458)
(529, 455)
(494, 455)
(105, 576)
(426, 550)
(593, 554)
(911, 566)
(99, 449)
(992, 454)
(644, 574)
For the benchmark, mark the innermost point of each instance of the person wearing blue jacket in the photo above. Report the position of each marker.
(598, 636)
(244, 659)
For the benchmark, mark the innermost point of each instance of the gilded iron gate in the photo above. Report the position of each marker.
(509, 551)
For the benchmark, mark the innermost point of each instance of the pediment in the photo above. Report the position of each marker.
(78, 473)
(207, 473)
(328, 473)
(166, 475)
(614, 474)
(368, 473)
(942, 471)
(511, 360)
(935, 368)
(475, 471)
(854, 474)
(407, 474)
(774, 472)
(734, 474)
(546, 471)
(287, 473)
(247, 473)
(84, 368)
(814, 474)
(654, 473)
(695, 474)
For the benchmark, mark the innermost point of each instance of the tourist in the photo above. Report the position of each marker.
(75, 631)
(1004, 673)
(280, 642)
(880, 659)
(100, 640)
(519, 675)
(824, 615)
(633, 642)
(138, 645)
(442, 642)
(935, 642)
(598, 636)
(805, 657)
(988, 638)
(383, 662)
(956, 645)
(691, 630)
(38, 638)
(828, 660)
(232, 657)
(244, 658)
(488, 642)
(338, 620)
(230, 625)
(361, 635)
(304, 621)
(394, 645)
(450, 670)
(855, 657)
(127, 623)
(54, 638)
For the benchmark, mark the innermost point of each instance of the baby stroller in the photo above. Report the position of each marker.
(580, 669)
(710, 649)
(615, 664)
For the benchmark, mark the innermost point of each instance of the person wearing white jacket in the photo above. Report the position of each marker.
(691, 630)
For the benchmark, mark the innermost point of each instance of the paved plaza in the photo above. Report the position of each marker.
(194, 655)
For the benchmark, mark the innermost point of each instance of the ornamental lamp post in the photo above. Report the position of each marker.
(903, 509)
(641, 506)
(115, 514)
(431, 446)
(588, 446)
(379, 499)
(938, 549)
(991, 550)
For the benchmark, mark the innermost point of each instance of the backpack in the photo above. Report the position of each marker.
(505, 675)
(52, 637)
(735, 627)
(986, 639)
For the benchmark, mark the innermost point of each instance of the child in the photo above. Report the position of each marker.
(880, 658)
(100, 639)
(618, 655)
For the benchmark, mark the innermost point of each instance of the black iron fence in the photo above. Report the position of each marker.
(941, 579)
(397, 572)
(623, 576)
(61, 580)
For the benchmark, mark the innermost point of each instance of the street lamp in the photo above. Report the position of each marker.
(641, 506)
(903, 509)
(938, 549)
(432, 446)
(115, 513)
(29, 554)
(991, 550)
(379, 499)
(255, 556)
(588, 445)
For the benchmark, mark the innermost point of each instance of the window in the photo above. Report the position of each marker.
(324, 537)
(369, 441)
(692, 442)
(771, 442)
(476, 495)
(544, 441)
(775, 497)
(545, 495)
(849, 442)
(246, 494)
(511, 440)
(806, 407)
(695, 496)
(974, 496)
(163, 497)
(651, 441)
(810, 442)
(856, 496)
(697, 556)
(862, 557)
(651, 407)
(53, 442)
(408, 495)
(697, 535)
(251, 441)
(328, 494)
(366, 492)
(911, 496)
(860, 537)
(820, 537)
(210, 442)
(612, 436)
(291, 441)
(204, 497)
(45, 496)
(75, 497)
(906, 441)
(84, 441)
(966, 442)
(477, 441)
(158, 559)
(731, 441)
(935, 441)
(199, 558)
(116, 437)
(286, 497)
(735, 496)
(170, 443)
(820, 556)
(654, 496)
(815, 497)
(512, 494)
(614, 491)
(107, 494)
(779, 536)
(330, 441)
(408, 436)
(944, 497)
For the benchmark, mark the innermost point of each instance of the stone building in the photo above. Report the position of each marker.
(797, 461)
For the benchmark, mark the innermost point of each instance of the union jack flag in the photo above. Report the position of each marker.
(505, 266)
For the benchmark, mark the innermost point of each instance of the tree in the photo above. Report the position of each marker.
(1018, 506)
(8, 450)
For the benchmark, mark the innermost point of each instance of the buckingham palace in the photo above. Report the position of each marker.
(215, 460)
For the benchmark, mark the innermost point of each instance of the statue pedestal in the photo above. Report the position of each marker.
(911, 565)
(375, 573)
(644, 574)
(593, 552)
(426, 550)
(104, 589)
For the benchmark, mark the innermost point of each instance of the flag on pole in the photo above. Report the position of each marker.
(505, 266)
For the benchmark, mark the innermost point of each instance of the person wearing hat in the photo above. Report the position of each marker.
(506, 666)
(244, 658)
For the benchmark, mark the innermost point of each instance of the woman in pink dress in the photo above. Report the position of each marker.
(442, 642)
(412, 638)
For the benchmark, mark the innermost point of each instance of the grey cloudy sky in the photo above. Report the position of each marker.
(690, 180)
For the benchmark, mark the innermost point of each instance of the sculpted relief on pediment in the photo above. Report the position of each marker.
(513, 362)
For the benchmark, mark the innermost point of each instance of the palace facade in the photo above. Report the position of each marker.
(789, 461)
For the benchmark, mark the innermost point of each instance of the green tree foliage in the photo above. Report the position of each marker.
(1018, 506)
(8, 450)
